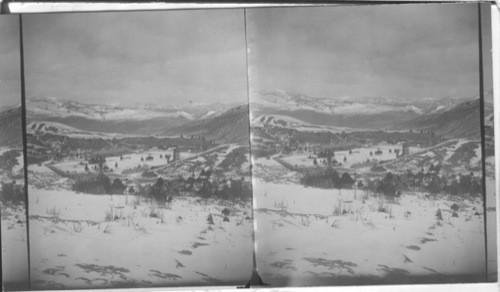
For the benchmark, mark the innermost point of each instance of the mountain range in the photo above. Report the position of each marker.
(230, 123)
(143, 119)
(459, 121)
(446, 117)
(232, 126)
(355, 113)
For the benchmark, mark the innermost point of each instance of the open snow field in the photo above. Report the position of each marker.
(14, 248)
(309, 236)
(129, 161)
(104, 241)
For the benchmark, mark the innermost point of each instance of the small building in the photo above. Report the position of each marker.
(406, 149)
(176, 154)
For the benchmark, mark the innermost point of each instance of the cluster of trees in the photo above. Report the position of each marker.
(98, 159)
(391, 185)
(328, 179)
(9, 159)
(164, 190)
(12, 193)
(99, 184)
(326, 153)
(226, 189)
(99, 167)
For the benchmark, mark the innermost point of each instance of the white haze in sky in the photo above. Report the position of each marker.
(173, 57)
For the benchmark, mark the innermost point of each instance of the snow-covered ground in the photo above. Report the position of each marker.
(74, 245)
(309, 236)
(14, 248)
(14, 232)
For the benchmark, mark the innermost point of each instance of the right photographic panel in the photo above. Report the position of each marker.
(367, 145)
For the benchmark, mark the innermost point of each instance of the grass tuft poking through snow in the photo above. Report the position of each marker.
(281, 205)
(54, 212)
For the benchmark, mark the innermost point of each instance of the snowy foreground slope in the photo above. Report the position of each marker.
(89, 241)
(310, 236)
(13, 225)
(14, 248)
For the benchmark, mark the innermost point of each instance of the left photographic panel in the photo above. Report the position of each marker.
(13, 199)
(138, 149)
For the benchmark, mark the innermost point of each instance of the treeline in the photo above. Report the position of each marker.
(328, 179)
(391, 185)
(99, 185)
(430, 181)
(164, 189)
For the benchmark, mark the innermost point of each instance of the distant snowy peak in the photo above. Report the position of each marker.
(184, 114)
(439, 108)
(52, 107)
(277, 121)
(287, 122)
(58, 108)
(54, 128)
(285, 101)
(415, 109)
(279, 100)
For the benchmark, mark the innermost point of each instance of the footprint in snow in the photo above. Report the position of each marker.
(425, 239)
(406, 259)
(413, 247)
(169, 276)
(179, 265)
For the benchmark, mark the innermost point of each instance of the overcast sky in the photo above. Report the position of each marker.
(172, 57)
(410, 51)
(10, 85)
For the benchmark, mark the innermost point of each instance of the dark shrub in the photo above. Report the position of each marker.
(346, 181)
(117, 187)
(12, 193)
(98, 185)
(328, 179)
